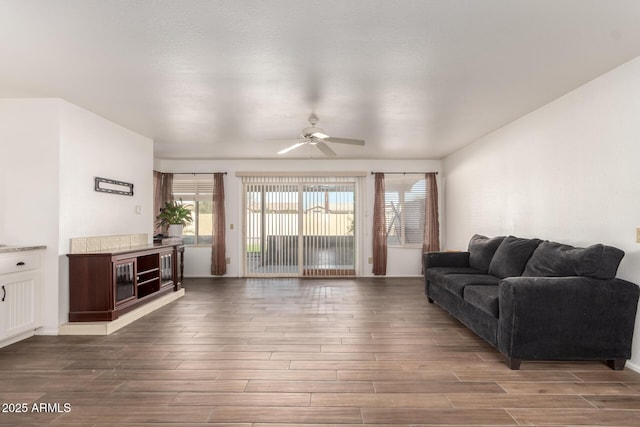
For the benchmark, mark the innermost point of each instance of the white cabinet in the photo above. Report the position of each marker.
(20, 295)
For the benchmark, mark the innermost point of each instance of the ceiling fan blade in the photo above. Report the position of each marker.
(325, 148)
(293, 147)
(320, 134)
(345, 141)
(285, 140)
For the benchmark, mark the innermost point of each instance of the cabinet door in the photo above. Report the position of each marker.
(166, 268)
(19, 302)
(125, 280)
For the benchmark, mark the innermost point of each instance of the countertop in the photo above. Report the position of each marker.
(120, 251)
(19, 248)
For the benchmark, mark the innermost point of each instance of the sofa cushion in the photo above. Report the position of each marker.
(553, 259)
(455, 283)
(511, 256)
(434, 273)
(481, 251)
(484, 297)
(445, 259)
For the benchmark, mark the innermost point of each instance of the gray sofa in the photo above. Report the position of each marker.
(538, 300)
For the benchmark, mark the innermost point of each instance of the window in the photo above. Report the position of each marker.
(196, 190)
(405, 209)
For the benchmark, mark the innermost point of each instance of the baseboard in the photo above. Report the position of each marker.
(46, 331)
(106, 328)
(225, 277)
(393, 276)
(364, 276)
(633, 366)
(17, 338)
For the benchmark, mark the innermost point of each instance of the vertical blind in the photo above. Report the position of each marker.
(299, 226)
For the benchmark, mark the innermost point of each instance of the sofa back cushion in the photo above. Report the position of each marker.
(481, 251)
(553, 259)
(511, 256)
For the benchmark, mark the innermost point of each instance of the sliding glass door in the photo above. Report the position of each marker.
(300, 227)
(328, 234)
(271, 229)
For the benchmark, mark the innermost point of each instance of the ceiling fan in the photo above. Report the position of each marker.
(318, 137)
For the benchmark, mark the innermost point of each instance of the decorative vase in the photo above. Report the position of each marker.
(175, 230)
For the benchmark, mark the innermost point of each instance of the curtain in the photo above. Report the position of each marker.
(431, 242)
(379, 228)
(162, 186)
(218, 249)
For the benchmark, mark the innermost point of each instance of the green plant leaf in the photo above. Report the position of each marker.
(174, 212)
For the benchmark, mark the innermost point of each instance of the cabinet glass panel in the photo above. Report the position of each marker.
(125, 284)
(166, 268)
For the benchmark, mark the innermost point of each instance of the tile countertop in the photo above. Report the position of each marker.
(19, 248)
(120, 251)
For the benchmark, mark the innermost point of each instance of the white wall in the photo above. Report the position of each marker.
(29, 182)
(93, 146)
(51, 152)
(401, 262)
(567, 172)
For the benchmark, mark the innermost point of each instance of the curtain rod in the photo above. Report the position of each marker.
(405, 173)
(194, 173)
(302, 174)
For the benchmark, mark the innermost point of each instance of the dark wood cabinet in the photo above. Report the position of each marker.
(105, 284)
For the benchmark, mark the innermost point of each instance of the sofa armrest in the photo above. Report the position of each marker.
(446, 259)
(566, 318)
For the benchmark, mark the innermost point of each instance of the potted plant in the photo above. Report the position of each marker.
(175, 215)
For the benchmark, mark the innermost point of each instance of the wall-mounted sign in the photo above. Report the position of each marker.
(105, 185)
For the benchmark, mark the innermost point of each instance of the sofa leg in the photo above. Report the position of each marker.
(616, 364)
(514, 364)
(429, 300)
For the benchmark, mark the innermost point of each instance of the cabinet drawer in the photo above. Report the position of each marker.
(20, 261)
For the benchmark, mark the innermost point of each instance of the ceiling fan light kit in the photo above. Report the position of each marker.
(318, 137)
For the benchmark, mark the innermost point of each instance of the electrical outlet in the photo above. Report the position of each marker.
(227, 260)
(138, 209)
(637, 235)
(230, 226)
(370, 260)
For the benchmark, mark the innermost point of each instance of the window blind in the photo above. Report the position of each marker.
(405, 197)
(197, 187)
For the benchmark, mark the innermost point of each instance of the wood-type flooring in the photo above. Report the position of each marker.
(284, 352)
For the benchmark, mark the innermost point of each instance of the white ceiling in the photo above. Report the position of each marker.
(219, 79)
